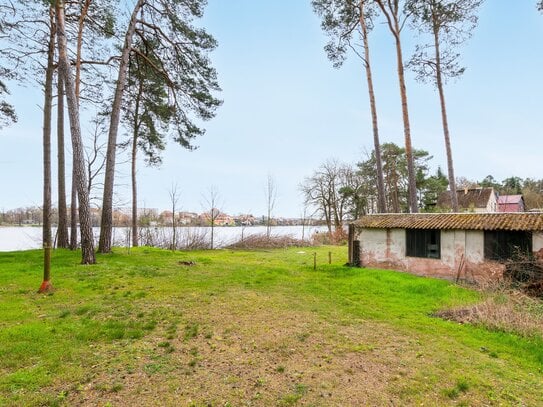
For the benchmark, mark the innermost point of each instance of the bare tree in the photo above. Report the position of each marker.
(212, 202)
(306, 218)
(271, 196)
(174, 200)
(392, 10)
(95, 157)
(323, 191)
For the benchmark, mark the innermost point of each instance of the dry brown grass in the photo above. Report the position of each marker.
(337, 238)
(503, 309)
(262, 241)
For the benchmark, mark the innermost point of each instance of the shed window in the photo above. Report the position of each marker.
(505, 245)
(423, 243)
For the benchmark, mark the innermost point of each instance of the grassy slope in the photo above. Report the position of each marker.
(246, 327)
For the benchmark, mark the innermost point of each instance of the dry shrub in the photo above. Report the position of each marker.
(193, 239)
(262, 241)
(503, 310)
(511, 304)
(526, 273)
(337, 238)
(187, 238)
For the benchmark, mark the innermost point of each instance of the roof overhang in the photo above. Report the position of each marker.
(454, 221)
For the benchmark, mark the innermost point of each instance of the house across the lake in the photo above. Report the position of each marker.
(446, 245)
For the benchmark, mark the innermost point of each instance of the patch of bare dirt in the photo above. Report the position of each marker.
(253, 351)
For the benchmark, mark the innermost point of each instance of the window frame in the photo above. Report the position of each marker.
(503, 245)
(423, 243)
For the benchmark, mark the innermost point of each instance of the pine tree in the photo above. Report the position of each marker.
(449, 23)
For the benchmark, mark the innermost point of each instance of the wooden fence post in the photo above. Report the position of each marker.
(350, 259)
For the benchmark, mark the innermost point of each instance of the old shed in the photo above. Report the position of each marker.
(446, 245)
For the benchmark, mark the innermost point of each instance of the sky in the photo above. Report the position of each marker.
(287, 110)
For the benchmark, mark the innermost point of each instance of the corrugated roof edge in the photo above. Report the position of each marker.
(524, 221)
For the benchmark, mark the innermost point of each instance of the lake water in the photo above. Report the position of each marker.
(25, 238)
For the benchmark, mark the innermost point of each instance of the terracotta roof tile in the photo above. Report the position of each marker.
(467, 221)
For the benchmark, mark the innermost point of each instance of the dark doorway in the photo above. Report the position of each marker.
(506, 245)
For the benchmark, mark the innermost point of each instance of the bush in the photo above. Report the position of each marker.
(525, 273)
(262, 241)
(504, 310)
(338, 237)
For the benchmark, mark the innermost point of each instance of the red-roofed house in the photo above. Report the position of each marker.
(511, 203)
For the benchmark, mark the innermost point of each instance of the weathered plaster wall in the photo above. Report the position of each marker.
(475, 246)
(386, 249)
(397, 242)
(537, 241)
(537, 244)
(373, 245)
(448, 254)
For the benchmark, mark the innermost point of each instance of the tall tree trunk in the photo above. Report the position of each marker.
(74, 218)
(135, 136)
(439, 81)
(381, 200)
(391, 11)
(63, 238)
(47, 107)
(135, 242)
(73, 208)
(87, 240)
(412, 185)
(106, 225)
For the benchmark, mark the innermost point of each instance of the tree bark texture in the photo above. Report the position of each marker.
(74, 218)
(412, 185)
(444, 119)
(62, 231)
(135, 240)
(47, 108)
(106, 225)
(381, 199)
(87, 239)
(73, 210)
(391, 11)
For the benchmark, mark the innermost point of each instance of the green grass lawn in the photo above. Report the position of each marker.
(247, 328)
